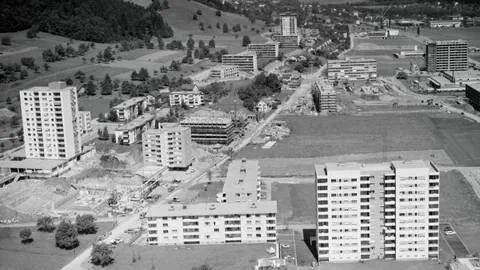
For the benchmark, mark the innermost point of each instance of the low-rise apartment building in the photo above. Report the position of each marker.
(245, 61)
(352, 69)
(242, 183)
(188, 94)
(132, 131)
(130, 108)
(212, 223)
(445, 23)
(85, 122)
(210, 130)
(325, 96)
(287, 41)
(472, 92)
(169, 146)
(377, 211)
(224, 72)
(265, 50)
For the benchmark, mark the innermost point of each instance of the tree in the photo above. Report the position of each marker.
(91, 88)
(26, 235)
(81, 76)
(161, 44)
(402, 75)
(2, 145)
(9, 101)
(86, 223)
(105, 136)
(60, 51)
(246, 41)
(36, 68)
(116, 85)
(107, 54)
(199, 12)
(217, 25)
(225, 28)
(218, 13)
(174, 66)
(195, 17)
(126, 88)
(134, 75)
(249, 104)
(70, 51)
(69, 81)
(418, 30)
(107, 86)
(165, 81)
(66, 236)
(28, 61)
(143, 74)
(211, 43)
(45, 224)
(209, 175)
(101, 255)
(190, 44)
(112, 117)
(46, 66)
(23, 74)
(6, 40)
(202, 267)
(201, 44)
(165, 5)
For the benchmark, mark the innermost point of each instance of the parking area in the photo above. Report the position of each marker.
(454, 242)
(288, 251)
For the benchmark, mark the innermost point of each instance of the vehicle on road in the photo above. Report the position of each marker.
(285, 246)
(449, 231)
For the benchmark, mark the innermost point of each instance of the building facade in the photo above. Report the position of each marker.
(266, 50)
(288, 24)
(352, 69)
(472, 92)
(242, 183)
(245, 61)
(325, 96)
(446, 55)
(212, 223)
(210, 130)
(131, 108)
(168, 147)
(188, 94)
(132, 131)
(85, 122)
(50, 121)
(224, 72)
(290, 41)
(377, 211)
(445, 23)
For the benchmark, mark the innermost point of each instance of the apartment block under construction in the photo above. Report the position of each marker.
(210, 130)
(325, 97)
(446, 55)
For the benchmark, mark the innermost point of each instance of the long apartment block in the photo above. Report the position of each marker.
(242, 183)
(446, 55)
(210, 130)
(377, 211)
(246, 61)
(50, 121)
(352, 69)
(266, 50)
(212, 223)
(169, 146)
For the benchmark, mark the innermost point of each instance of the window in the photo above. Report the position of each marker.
(216, 230)
(165, 231)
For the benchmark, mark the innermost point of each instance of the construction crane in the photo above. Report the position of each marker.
(383, 14)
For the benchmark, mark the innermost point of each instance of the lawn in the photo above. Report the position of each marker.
(218, 257)
(385, 264)
(206, 193)
(471, 34)
(96, 104)
(227, 103)
(42, 253)
(389, 42)
(295, 203)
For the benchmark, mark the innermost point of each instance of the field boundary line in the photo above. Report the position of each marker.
(295, 248)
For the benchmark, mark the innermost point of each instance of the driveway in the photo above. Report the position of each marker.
(454, 242)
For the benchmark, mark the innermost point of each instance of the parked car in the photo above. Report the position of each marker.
(285, 246)
(449, 231)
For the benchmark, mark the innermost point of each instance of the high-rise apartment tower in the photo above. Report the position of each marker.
(446, 55)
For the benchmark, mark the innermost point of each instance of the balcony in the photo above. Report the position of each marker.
(389, 216)
(390, 223)
(389, 251)
(389, 202)
(390, 237)
(389, 195)
(390, 230)
(389, 187)
(389, 245)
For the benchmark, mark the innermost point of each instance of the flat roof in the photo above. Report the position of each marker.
(464, 74)
(165, 129)
(448, 42)
(324, 86)
(288, 14)
(414, 164)
(137, 122)
(244, 53)
(207, 120)
(242, 177)
(212, 209)
(220, 67)
(475, 86)
(32, 163)
(352, 60)
(129, 103)
(440, 79)
(58, 86)
(368, 167)
(270, 42)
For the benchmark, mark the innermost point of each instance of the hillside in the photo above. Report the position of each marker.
(180, 17)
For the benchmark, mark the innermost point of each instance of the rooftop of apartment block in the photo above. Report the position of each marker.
(221, 67)
(463, 74)
(285, 14)
(448, 42)
(53, 86)
(212, 209)
(193, 88)
(164, 129)
(322, 169)
(350, 60)
(325, 87)
(137, 122)
(474, 86)
(244, 53)
(270, 42)
(242, 177)
(129, 103)
(207, 120)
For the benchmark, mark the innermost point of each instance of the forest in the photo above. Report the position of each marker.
(90, 20)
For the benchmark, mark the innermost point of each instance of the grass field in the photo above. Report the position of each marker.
(388, 42)
(231, 256)
(471, 34)
(385, 264)
(294, 203)
(42, 253)
(206, 193)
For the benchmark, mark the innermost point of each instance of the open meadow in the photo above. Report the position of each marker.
(41, 254)
(470, 34)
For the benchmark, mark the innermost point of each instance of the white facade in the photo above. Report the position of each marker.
(288, 24)
(266, 50)
(130, 108)
(50, 121)
(132, 131)
(246, 61)
(168, 147)
(212, 223)
(440, 24)
(189, 95)
(263, 107)
(85, 122)
(352, 69)
(224, 71)
(377, 211)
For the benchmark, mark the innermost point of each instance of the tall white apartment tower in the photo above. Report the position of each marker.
(50, 121)
(288, 24)
(377, 211)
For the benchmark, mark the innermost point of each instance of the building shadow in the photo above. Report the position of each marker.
(310, 239)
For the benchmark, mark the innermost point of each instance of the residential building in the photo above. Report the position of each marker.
(415, 53)
(446, 55)
(266, 50)
(309, 32)
(188, 94)
(287, 41)
(169, 146)
(265, 105)
(445, 23)
(352, 69)
(51, 126)
(212, 223)
(242, 183)
(246, 61)
(85, 122)
(295, 80)
(325, 95)
(130, 108)
(377, 211)
(210, 130)
(472, 92)
(224, 72)
(288, 24)
(132, 131)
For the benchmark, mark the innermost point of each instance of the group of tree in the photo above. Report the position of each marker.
(14, 72)
(215, 91)
(103, 134)
(225, 28)
(246, 41)
(262, 86)
(157, 6)
(6, 40)
(218, 4)
(175, 45)
(141, 75)
(91, 20)
(236, 28)
(60, 52)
